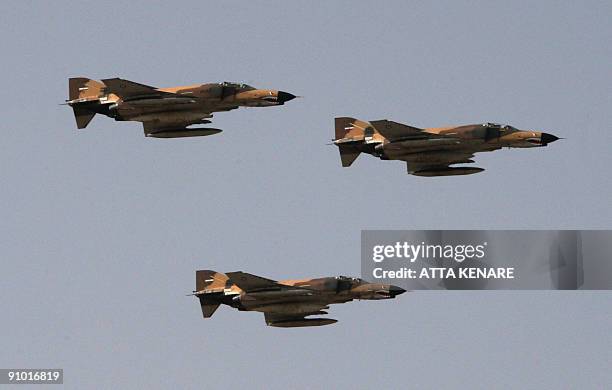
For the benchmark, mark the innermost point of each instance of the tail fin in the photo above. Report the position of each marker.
(352, 128)
(210, 280)
(353, 131)
(213, 282)
(343, 126)
(84, 88)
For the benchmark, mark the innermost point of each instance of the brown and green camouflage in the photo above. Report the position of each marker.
(430, 151)
(285, 303)
(165, 112)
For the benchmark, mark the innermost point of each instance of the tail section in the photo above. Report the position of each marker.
(350, 133)
(212, 283)
(208, 309)
(82, 92)
(83, 116)
(350, 128)
(210, 280)
(82, 88)
(348, 154)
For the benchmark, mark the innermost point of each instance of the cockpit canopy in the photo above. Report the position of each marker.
(499, 127)
(349, 279)
(241, 87)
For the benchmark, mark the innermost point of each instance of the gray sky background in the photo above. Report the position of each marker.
(102, 229)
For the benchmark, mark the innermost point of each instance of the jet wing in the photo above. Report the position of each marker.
(221, 108)
(127, 89)
(394, 131)
(249, 282)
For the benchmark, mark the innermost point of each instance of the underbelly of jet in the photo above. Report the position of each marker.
(287, 308)
(448, 171)
(304, 322)
(170, 117)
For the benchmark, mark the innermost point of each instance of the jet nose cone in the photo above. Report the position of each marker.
(395, 290)
(548, 138)
(285, 97)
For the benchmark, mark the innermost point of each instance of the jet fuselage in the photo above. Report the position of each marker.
(430, 151)
(165, 112)
(285, 302)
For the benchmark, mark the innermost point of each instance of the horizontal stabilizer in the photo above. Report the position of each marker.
(208, 309)
(83, 117)
(348, 154)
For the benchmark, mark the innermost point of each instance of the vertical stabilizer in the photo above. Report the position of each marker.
(82, 93)
(84, 88)
(210, 284)
(350, 133)
(351, 128)
(210, 280)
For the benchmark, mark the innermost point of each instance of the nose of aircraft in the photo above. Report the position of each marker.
(548, 138)
(395, 290)
(285, 97)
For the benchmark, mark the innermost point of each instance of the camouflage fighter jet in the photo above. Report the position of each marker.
(430, 152)
(284, 303)
(164, 112)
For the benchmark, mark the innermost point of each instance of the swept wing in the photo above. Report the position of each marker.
(128, 90)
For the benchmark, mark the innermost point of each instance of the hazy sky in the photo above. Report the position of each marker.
(102, 229)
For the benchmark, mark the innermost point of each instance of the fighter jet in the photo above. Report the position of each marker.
(164, 112)
(284, 303)
(431, 151)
